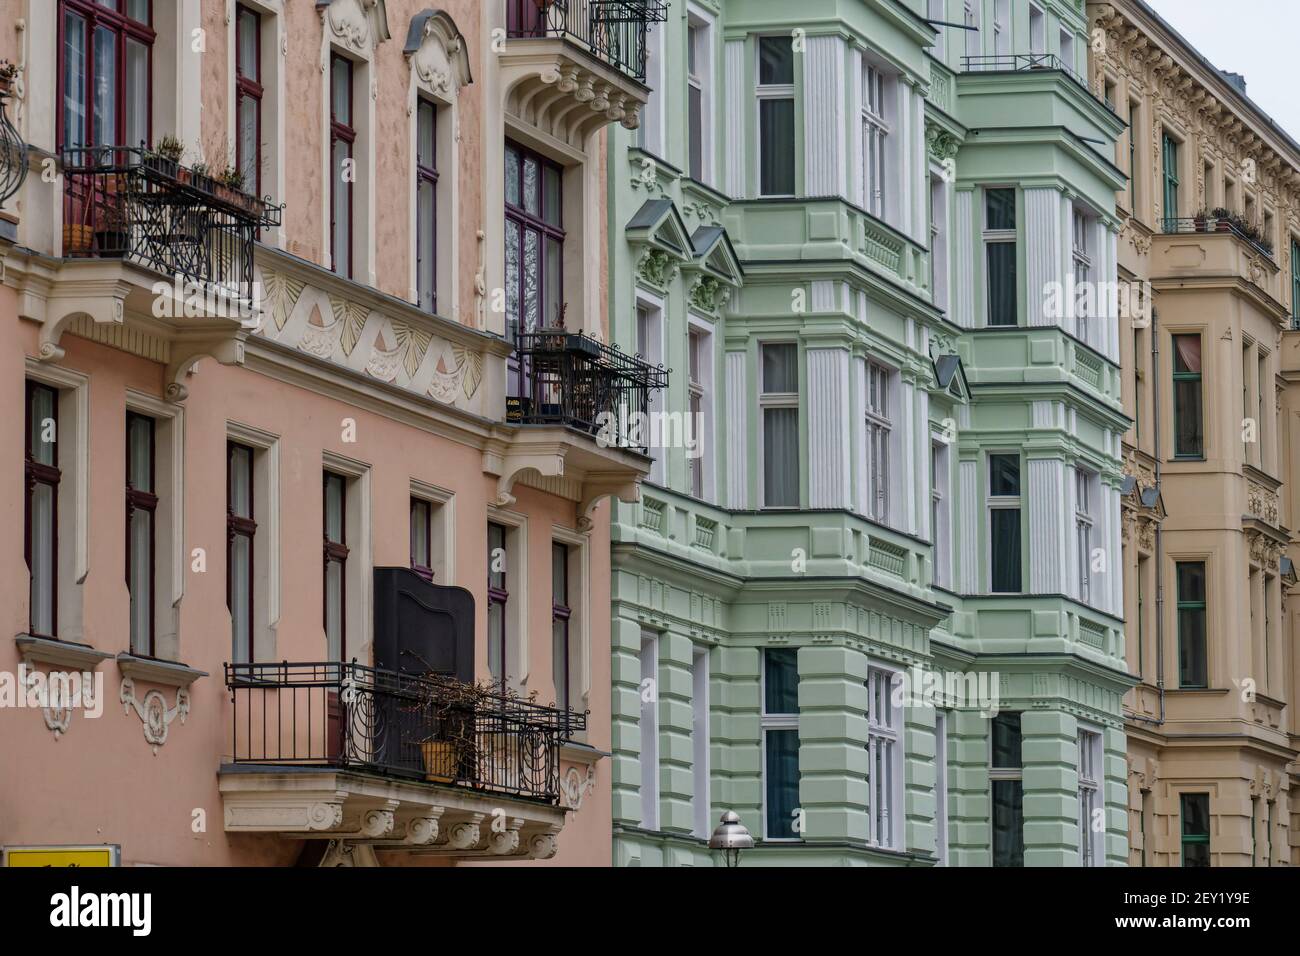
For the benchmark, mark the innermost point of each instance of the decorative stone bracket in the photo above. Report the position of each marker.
(153, 711)
(75, 662)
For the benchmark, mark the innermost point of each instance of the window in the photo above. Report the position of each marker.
(780, 722)
(1000, 255)
(1170, 195)
(970, 17)
(1081, 255)
(878, 438)
(779, 402)
(940, 534)
(1188, 435)
(1067, 49)
(1134, 118)
(1295, 283)
(884, 758)
(335, 565)
(1092, 840)
(875, 133)
(422, 538)
(141, 508)
(560, 615)
(1139, 381)
(1002, 28)
(498, 596)
(1192, 657)
(935, 11)
(248, 98)
(697, 348)
(105, 54)
(700, 741)
(241, 531)
(1006, 780)
(697, 58)
(534, 246)
(1083, 481)
(1195, 816)
(1004, 523)
(41, 518)
(649, 345)
(649, 728)
(342, 172)
(941, 786)
(776, 116)
(426, 205)
(1037, 31)
(939, 240)
(1143, 568)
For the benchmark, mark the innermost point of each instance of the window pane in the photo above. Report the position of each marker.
(775, 61)
(141, 582)
(74, 80)
(241, 492)
(1004, 476)
(1191, 582)
(1005, 728)
(106, 88)
(425, 134)
(551, 200)
(342, 251)
(138, 10)
(780, 368)
(781, 681)
(42, 559)
(554, 285)
(1187, 353)
(1188, 434)
(512, 176)
(532, 279)
(341, 91)
(41, 426)
(781, 457)
(559, 575)
(1001, 257)
(782, 773)
(532, 200)
(425, 240)
(334, 491)
(560, 662)
(497, 556)
(247, 51)
(1004, 535)
(137, 93)
(695, 108)
(140, 464)
(1000, 205)
(240, 562)
(333, 610)
(248, 144)
(420, 533)
(1192, 666)
(1008, 823)
(496, 638)
(776, 149)
(512, 281)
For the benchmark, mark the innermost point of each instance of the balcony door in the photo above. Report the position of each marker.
(105, 72)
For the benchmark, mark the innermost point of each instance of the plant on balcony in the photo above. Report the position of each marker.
(8, 73)
(1199, 219)
(165, 158)
(1223, 219)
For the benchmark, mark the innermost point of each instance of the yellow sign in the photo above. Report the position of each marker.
(63, 856)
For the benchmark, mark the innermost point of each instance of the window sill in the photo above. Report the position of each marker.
(164, 673)
(47, 650)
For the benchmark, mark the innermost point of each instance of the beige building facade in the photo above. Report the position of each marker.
(1208, 261)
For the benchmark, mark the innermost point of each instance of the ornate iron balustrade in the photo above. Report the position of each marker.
(346, 715)
(571, 379)
(613, 31)
(132, 204)
(1022, 62)
(13, 149)
(1210, 223)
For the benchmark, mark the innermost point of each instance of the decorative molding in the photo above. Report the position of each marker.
(153, 712)
(575, 786)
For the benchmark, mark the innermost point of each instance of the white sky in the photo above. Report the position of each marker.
(1256, 38)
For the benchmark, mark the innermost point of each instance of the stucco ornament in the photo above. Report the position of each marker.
(437, 52)
(575, 786)
(941, 144)
(361, 25)
(154, 712)
(657, 268)
(709, 294)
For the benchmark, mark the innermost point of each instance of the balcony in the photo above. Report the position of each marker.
(1212, 249)
(571, 66)
(1022, 62)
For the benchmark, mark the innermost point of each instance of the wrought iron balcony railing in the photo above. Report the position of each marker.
(570, 379)
(130, 203)
(349, 716)
(1022, 62)
(1211, 223)
(613, 31)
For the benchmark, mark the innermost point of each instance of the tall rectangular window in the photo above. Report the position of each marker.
(884, 758)
(1188, 415)
(1002, 30)
(248, 97)
(1006, 780)
(700, 741)
(970, 17)
(141, 508)
(560, 614)
(941, 786)
(334, 522)
(1092, 832)
(105, 73)
(1000, 255)
(1081, 256)
(940, 513)
(1004, 523)
(879, 433)
(697, 57)
(1134, 116)
(1083, 531)
(1143, 567)
(776, 136)
(696, 349)
(426, 205)
(1295, 284)
(1169, 154)
(422, 538)
(935, 11)
(343, 138)
(649, 729)
(498, 596)
(1193, 668)
(1194, 815)
(780, 722)
(1067, 49)
(1037, 31)
(779, 401)
(534, 247)
(241, 529)
(875, 135)
(41, 512)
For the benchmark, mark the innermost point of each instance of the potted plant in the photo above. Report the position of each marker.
(8, 74)
(230, 186)
(201, 177)
(1199, 218)
(1222, 219)
(165, 158)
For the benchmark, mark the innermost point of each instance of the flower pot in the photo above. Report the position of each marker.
(582, 344)
(77, 240)
(440, 760)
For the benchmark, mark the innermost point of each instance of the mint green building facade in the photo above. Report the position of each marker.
(859, 239)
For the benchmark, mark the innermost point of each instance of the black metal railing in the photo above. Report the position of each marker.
(613, 31)
(130, 203)
(1211, 223)
(570, 379)
(1022, 62)
(347, 715)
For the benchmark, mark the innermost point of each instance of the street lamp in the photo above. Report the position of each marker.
(731, 837)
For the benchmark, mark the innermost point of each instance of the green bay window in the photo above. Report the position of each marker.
(1189, 439)
(1192, 657)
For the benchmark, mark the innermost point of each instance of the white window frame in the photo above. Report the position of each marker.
(876, 87)
(1081, 259)
(651, 350)
(359, 571)
(971, 17)
(886, 818)
(516, 618)
(699, 40)
(879, 437)
(266, 543)
(648, 725)
(1083, 531)
(578, 547)
(1002, 29)
(935, 11)
(941, 719)
(700, 741)
(442, 529)
(1091, 794)
(769, 722)
(990, 237)
(939, 241)
(271, 147)
(1003, 503)
(1067, 49)
(779, 91)
(940, 511)
(1037, 30)
(699, 335)
(770, 400)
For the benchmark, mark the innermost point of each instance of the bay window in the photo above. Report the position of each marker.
(41, 512)
(1004, 524)
(1000, 254)
(426, 205)
(343, 137)
(241, 529)
(336, 552)
(141, 513)
(779, 404)
(776, 138)
(780, 723)
(105, 72)
(1006, 782)
(248, 98)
